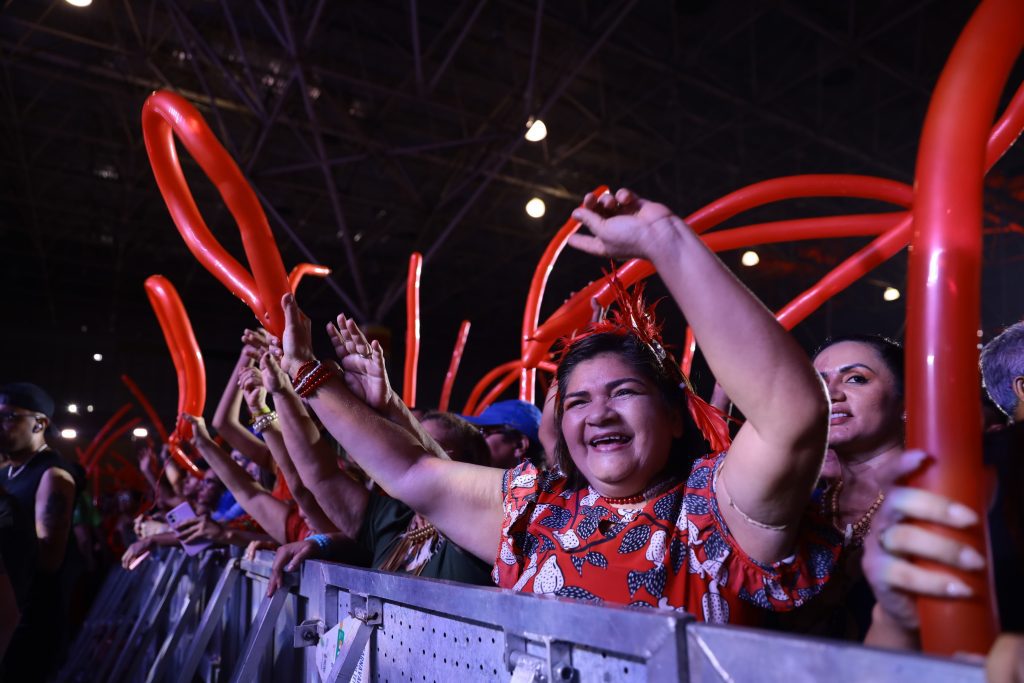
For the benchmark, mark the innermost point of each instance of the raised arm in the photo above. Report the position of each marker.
(226, 418)
(774, 461)
(269, 513)
(55, 499)
(290, 439)
(448, 493)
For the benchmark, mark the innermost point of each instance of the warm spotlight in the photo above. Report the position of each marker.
(68, 434)
(536, 130)
(535, 207)
(891, 294)
(79, 3)
(140, 432)
(73, 408)
(750, 258)
(97, 357)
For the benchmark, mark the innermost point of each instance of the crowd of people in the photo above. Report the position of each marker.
(627, 488)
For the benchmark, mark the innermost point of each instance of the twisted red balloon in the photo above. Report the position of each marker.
(188, 363)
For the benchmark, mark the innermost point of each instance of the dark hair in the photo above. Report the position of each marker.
(472, 445)
(889, 350)
(640, 357)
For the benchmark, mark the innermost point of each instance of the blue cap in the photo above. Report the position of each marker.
(519, 415)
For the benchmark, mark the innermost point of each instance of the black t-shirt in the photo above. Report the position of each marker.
(17, 545)
(1004, 452)
(385, 521)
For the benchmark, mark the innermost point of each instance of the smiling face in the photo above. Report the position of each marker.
(617, 426)
(867, 409)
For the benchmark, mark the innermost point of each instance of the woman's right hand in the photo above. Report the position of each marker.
(894, 542)
(624, 225)
(288, 559)
(136, 550)
(363, 363)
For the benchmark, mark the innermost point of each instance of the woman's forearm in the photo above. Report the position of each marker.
(228, 424)
(759, 365)
(340, 500)
(307, 502)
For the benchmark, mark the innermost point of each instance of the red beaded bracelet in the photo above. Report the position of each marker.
(304, 369)
(311, 382)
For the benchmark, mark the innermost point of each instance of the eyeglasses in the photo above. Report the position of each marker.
(10, 417)
(498, 429)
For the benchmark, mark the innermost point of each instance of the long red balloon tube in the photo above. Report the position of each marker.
(575, 312)
(854, 225)
(305, 270)
(187, 358)
(1001, 138)
(943, 302)
(111, 439)
(486, 381)
(104, 430)
(496, 391)
(539, 282)
(412, 328)
(453, 366)
(877, 252)
(165, 115)
(143, 400)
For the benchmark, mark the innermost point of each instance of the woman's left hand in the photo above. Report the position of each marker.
(894, 542)
(201, 528)
(253, 390)
(295, 346)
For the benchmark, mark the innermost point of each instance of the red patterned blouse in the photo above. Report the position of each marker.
(675, 553)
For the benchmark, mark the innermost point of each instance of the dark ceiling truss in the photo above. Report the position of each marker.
(372, 129)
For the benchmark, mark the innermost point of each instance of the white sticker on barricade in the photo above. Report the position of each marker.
(335, 644)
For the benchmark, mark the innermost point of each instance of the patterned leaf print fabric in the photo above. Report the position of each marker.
(674, 553)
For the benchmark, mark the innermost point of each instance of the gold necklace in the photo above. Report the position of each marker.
(854, 532)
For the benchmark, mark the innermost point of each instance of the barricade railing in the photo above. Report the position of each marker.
(207, 618)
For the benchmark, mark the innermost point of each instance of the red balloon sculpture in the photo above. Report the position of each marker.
(412, 327)
(453, 366)
(188, 363)
(943, 302)
(166, 114)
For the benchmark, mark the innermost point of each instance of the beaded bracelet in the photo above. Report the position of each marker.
(322, 540)
(304, 370)
(258, 414)
(264, 421)
(312, 380)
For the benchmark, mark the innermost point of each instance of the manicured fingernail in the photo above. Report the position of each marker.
(577, 215)
(962, 515)
(971, 559)
(956, 589)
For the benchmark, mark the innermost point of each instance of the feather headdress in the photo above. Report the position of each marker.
(632, 315)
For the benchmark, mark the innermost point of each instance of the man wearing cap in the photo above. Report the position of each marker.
(510, 428)
(43, 490)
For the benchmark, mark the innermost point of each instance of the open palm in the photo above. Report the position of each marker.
(363, 362)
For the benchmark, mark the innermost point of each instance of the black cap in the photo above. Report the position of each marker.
(27, 396)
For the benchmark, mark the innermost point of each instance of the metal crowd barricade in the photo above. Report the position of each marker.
(207, 618)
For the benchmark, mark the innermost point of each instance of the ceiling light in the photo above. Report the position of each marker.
(97, 357)
(89, 408)
(140, 432)
(78, 3)
(72, 407)
(750, 258)
(535, 207)
(68, 433)
(891, 294)
(536, 130)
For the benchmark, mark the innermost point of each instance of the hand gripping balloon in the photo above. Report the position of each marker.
(166, 114)
(188, 363)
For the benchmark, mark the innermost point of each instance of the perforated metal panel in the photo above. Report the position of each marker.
(414, 646)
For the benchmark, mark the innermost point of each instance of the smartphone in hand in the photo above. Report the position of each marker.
(178, 516)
